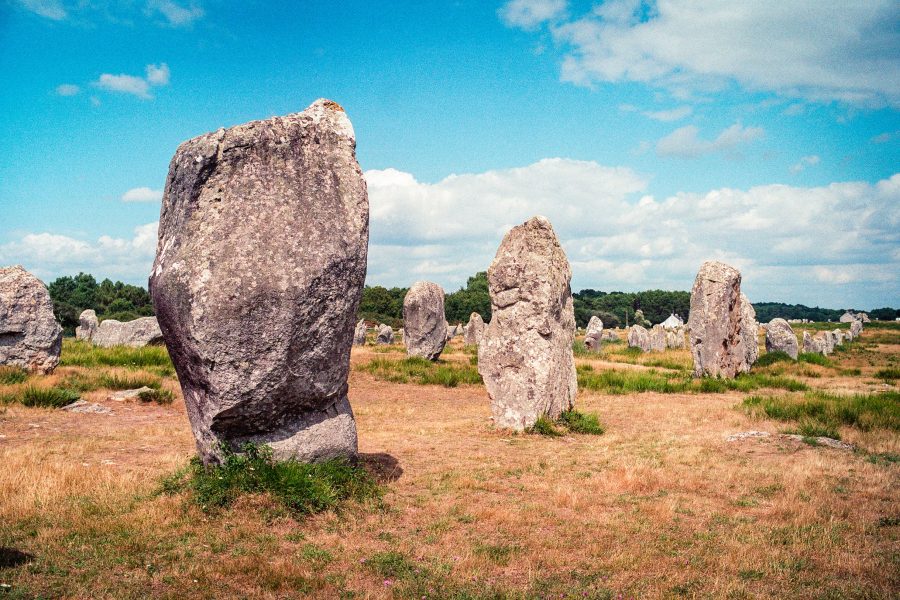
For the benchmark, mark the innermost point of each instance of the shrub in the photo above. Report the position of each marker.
(52, 397)
(544, 426)
(579, 422)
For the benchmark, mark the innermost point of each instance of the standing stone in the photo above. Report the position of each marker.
(638, 337)
(749, 330)
(658, 338)
(593, 336)
(424, 326)
(135, 334)
(855, 329)
(402, 334)
(864, 317)
(780, 337)
(30, 337)
(811, 345)
(848, 317)
(359, 333)
(385, 335)
(473, 332)
(717, 343)
(609, 336)
(829, 341)
(838, 337)
(525, 355)
(259, 270)
(87, 325)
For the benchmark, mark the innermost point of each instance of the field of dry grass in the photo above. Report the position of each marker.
(659, 506)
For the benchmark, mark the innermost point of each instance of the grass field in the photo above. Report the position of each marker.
(636, 495)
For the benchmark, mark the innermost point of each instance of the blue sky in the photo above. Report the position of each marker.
(654, 136)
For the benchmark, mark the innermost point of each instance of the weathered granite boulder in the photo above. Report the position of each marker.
(525, 355)
(749, 330)
(812, 345)
(864, 317)
(87, 325)
(838, 337)
(385, 335)
(717, 341)
(780, 337)
(137, 333)
(829, 341)
(259, 270)
(856, 328)
(658, 338)
(593, 335)
(359, 333)
(638, 337)
(424, 326)
(30, 337)
(848, 317)
(609, 336)
(473, 331)
(675, 338)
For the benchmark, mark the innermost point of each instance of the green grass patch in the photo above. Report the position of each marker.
(636, 381)
(79, 353)
(128, 382)
(770, 358)
(301, 488)
(813, 428)
(545, 426)
(820, 411)
(156, 395)
(889, 374)
(422, 371)
(815, 358)
(12, 375)
(38, 397)
(499, 554)
(571, 420)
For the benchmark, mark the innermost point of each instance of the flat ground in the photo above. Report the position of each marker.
(660, 505)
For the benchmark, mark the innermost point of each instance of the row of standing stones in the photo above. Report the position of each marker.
(268, 223)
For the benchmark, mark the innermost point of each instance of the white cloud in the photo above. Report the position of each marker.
(684, 142)
(666, 116)
(67, 89)
(844, 51)
(884, 138)
(175, 14)
(157, 75)
(142, 194)
(806, 161)
(51, 9)
(528, 14)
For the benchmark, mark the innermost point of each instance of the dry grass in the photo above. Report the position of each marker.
(658, 506)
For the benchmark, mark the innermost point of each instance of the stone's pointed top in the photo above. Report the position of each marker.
(332, 113)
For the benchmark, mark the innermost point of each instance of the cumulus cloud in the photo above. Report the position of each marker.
(528, 14)
(806, 161)
(175, 14)
(67, 89)
(51, 9)
(844, 51)
(666, 116)
(142, 194)
(685, 142)
(157, 75)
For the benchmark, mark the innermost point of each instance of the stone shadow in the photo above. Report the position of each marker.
(384, 467)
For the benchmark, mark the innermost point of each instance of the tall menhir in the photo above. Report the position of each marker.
(259, 271)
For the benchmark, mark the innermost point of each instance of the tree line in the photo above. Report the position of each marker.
(117, 300)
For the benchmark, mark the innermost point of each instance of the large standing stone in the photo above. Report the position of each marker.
(848, 317)
(749, 330)
(780, 337)
(259, 270)
(137, 333)
(717, 343)
(424, 326)
(855, 329)
(812, 345)
(838, 337)
(864, 317)
(638, 337)
(359, 333)
(385, 335)
(658, 338)
(525, 355)
(473, 332)
(30, 337)
(87, 325)
(593, 335)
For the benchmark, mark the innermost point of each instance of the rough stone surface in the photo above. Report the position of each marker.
(424, 326)
(811, 344)
(260, 266)
(474, 330)
(610, 336)
(864, 317)
(140, 332)
(525, 355)
(385, 335)
(128, 394)
(838, 337)
(83, 406)
(30, 337)
(856, 328)
(87, 325)
(638, 337)
(780, 337)
(658, 338)
(593, 335)
(749, 330)
(848, 317)
(829, 340)
(717, 343)
(359, 333)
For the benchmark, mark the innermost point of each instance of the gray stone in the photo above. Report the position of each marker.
(593, 335)
(864, 317)
(128, 394)
(609, 336)
(30, 337)
(638, 337)
(87, 325)
(259, 270)
(525, 355)
(749, 330)
(657, 338)
(359, 333)
(780, 337)
(424, 326)
(717, 343)
(856, 328)
(83, 406)
(137, 333)
(838, 337)
(848, 317)
(473, 330)
(810, 344)
(385, 335)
